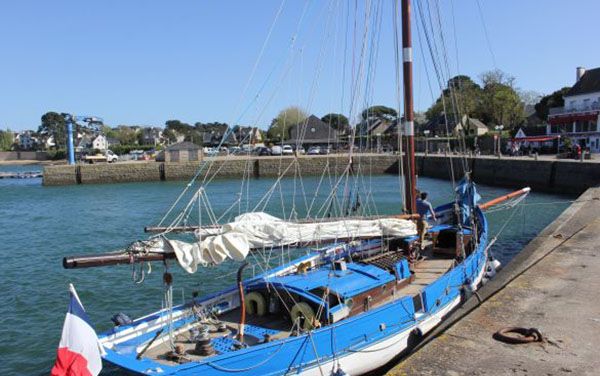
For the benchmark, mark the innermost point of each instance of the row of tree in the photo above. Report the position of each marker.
(494, 100)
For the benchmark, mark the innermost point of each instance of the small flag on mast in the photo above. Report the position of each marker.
(79, 351)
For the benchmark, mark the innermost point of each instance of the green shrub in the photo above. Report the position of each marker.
(57, 154)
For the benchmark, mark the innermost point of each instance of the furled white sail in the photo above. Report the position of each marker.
(257, 230)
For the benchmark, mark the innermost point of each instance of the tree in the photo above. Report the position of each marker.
(6, 140)
(529, 97)
(461, 94)
(177, 128)
(53, 124)
(280, 126)
(337, 121)
(382, 112)
(126, 135)
(501, 105)
(542, 108)
(496, 76)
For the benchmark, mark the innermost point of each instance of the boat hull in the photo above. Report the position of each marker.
(357, 345)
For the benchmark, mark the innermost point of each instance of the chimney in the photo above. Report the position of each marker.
(579, 73)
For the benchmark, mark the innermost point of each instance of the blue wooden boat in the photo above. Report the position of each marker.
(349, 307)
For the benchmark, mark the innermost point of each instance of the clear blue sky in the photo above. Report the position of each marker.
(144, 62)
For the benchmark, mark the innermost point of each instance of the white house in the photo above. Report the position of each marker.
(27, 140)
(100, 143)
(579, 118)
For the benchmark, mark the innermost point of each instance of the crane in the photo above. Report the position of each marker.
(92, 122)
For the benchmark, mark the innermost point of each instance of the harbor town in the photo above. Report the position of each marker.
(384, 187)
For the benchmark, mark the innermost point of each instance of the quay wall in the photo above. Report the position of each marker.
(548, 285)
(542, 175)
(23, 155)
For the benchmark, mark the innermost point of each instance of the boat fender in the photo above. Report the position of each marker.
(303, 310)
(121, 319)
(491, 268)
(256, 304)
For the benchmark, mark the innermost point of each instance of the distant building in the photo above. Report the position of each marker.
(377, 134)
(111, 141)
(446, 125)
(313, 131)
(470, 126)
(152, 136)
(183, 152)
(248, 135)
(579, 118)
(212, 135)
(99, 142)
(27, 140)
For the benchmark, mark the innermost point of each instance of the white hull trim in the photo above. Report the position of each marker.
(379, 354)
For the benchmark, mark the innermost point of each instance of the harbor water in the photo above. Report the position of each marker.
(40, 225)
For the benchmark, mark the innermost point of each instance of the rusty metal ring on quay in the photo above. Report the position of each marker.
(523, 335)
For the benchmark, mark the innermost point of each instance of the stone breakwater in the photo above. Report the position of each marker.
(544, 175)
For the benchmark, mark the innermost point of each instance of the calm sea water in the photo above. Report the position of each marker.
(40, 225)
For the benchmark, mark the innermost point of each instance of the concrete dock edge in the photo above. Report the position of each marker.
(552, 285)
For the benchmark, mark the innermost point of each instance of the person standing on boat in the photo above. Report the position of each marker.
(423, 209)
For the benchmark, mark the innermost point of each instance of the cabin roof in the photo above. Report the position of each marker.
(357, 279)
(185, 145)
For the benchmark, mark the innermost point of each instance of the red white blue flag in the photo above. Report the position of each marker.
(79, 350)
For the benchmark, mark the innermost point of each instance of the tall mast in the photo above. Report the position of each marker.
(409, 124)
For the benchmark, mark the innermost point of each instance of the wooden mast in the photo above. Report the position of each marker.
(409, 124)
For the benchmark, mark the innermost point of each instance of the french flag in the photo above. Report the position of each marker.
(79, 351)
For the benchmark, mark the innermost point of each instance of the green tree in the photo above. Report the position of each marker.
(461, 94)
(177, 128)
(53, 124)
(501, 105)
(280, 126)
(337, 121)
(379, 111)
(6, 140)
(126, 135)
(542, 108)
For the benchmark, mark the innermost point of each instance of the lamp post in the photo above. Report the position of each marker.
(498, 129)
(426, 133)
(558, 146)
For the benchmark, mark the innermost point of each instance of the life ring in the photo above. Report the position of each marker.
(255, 303)
(304, 310)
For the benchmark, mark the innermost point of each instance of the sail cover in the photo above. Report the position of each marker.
(259, 230)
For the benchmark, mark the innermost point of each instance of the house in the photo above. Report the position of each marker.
(377, 133)
(84, 142)
(27, 140)
(313, 131)
(474, 127)
(152, 136)
(213, 133)
(579, 118)
(99, 143)
(183, 152)
(248, 135)
(446, 125)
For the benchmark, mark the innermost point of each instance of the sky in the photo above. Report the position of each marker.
(142, 62)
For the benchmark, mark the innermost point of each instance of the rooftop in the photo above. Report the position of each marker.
(588, 83)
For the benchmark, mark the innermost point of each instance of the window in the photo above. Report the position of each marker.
(192, 155)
